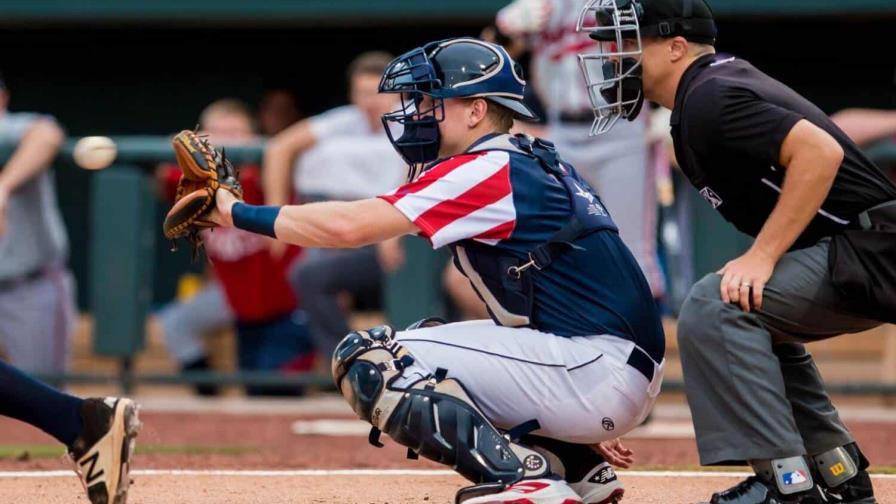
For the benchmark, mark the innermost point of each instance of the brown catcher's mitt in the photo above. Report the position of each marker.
(205, 171)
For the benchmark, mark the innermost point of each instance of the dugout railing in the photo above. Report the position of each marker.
(123, 237)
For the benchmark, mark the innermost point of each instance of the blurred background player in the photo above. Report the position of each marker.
(270, 333)
(277, 111)
(618, 163)
(37, 299)
(340, 155)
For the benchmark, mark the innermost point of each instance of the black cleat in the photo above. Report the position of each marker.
(856, 490)
(103, 451)
(754, 490)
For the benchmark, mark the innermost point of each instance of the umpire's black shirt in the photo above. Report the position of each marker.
(728, 125)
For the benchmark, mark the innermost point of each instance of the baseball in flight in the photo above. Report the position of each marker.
(95, 152)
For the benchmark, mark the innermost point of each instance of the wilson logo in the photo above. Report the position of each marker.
(91, 476)
(838, 469)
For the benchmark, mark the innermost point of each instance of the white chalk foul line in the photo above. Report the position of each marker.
(366, 472)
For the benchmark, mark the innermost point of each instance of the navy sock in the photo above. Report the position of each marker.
(28, 400)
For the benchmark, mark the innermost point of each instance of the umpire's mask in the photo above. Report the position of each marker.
(613, 74)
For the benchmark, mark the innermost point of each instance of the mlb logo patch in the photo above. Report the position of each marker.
(795, 478)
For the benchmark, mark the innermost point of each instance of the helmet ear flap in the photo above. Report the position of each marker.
(518, 71)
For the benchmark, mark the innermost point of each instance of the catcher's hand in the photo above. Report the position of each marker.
(205, 172)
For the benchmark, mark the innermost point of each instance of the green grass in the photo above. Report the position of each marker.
(26, 452)
(42, 451)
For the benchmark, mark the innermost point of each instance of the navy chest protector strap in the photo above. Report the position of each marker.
(498, 276)
(588, 213)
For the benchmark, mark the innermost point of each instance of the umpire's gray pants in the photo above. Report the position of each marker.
(753, 389)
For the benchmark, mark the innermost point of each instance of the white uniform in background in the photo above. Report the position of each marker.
(617, 163)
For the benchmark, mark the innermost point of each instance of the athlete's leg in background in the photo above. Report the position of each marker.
(319, 278)
(184, 323)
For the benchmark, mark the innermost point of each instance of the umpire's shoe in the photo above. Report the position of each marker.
(856, 489)
(103, 450)
(754, 490)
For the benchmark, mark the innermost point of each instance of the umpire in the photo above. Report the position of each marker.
(823, 262)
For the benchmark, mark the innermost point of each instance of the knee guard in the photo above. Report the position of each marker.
(434, 417)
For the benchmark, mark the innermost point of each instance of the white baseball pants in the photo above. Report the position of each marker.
(579, 389)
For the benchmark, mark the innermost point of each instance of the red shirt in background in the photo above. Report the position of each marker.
(254, 282)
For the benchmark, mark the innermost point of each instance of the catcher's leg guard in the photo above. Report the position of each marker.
(433, 417)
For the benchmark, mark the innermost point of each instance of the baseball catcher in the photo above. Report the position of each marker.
(573, 353)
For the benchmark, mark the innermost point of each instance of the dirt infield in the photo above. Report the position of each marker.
(193, 489)
(220, 441)
(240, 442)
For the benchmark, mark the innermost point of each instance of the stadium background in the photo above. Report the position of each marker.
(106, 67)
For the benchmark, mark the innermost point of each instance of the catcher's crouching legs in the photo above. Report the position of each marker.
(433, 416)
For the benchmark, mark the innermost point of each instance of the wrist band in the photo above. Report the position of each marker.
(257, 219)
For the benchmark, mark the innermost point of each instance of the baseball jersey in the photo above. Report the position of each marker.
(555, 72)
(506, 200)
(35, 237)
(350, 160)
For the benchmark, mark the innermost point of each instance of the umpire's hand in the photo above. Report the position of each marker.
(744, 279)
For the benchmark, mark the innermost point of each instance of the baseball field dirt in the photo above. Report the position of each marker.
(181, 456)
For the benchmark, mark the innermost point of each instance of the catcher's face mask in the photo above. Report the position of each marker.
(613, 74)
(413, 130)
(453, 68)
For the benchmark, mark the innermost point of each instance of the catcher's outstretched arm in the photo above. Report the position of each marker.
(332, 224)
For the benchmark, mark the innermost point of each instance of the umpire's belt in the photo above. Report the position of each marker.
(642, 362)
(581, 117)
(16, 281)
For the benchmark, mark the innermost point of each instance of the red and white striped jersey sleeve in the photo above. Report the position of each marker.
(464, 197)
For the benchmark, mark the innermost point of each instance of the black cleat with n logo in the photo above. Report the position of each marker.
(103, 450)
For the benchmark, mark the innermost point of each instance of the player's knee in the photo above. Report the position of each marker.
(434, 417)
(363, 363)
(695, 321)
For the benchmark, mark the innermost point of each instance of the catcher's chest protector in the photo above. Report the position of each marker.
(503, 280)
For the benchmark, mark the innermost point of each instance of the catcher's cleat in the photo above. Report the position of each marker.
(754, 490)
(600, 486)
(532, 491)
(103, 451)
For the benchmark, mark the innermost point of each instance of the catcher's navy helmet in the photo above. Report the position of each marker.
(453, 68)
